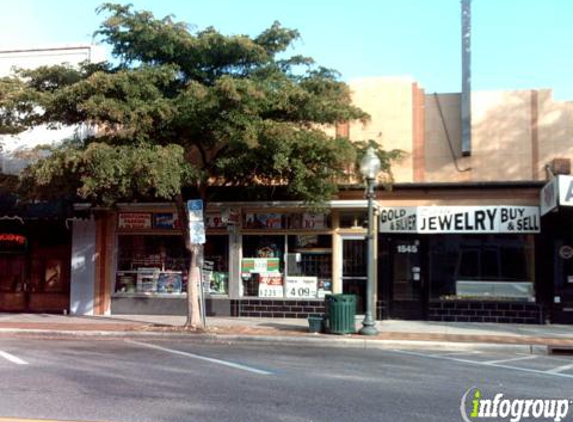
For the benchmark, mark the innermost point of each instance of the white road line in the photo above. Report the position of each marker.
(491, 362)
(475, 362)
(205, 358)
(561, 368)
(12, 358)
(465, 352)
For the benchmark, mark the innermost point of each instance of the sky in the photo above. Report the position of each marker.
(516, 44)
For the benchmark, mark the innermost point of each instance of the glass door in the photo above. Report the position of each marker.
(407, 280)
(354, 271)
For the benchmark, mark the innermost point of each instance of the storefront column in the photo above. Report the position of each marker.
(235, 253)
(82, 267)
(336, 263)
(104, 262)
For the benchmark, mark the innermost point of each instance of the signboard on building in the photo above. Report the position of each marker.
(565, 184)
(398, 220)
(134, 220)
(460, 219)
(548, 197)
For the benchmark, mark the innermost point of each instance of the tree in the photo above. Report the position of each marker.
(180, 113)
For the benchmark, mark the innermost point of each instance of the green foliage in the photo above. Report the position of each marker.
(184, 109)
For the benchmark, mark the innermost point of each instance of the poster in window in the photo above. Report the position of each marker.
(301, 287)
(270, 285)
(166, 220)
(169, 282)
(53, 276)
(214, 220)
(147, 280)
(263, 221)
(134, 220)
(313, 221)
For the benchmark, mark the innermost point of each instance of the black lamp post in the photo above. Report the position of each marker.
(369, 168)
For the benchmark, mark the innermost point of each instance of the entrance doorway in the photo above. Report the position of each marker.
(354, 269)
(407, 281)
(562, 309)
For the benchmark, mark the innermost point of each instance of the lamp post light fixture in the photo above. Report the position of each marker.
(369, 168)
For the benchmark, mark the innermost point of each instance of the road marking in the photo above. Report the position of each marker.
(465, 352)
(205, 358)
(474, 362)
(561, 368)
(12, 358)
(510, 359)
(2, 419)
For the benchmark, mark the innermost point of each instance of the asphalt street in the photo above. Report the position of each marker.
(151, 380)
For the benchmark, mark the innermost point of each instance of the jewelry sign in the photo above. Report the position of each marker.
(460, 219)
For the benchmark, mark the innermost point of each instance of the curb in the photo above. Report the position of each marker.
(313, 340)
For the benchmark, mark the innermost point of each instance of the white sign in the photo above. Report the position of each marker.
(460, 219)
(197, 232)
(195, 210)
(565, 184)
(398, 220)
(548, 197)
(515, 219)
(271, 285)
(301, 287)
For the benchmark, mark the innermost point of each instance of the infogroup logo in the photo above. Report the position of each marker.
(474, 407)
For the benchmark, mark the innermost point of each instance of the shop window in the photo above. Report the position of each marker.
(216, 265)
(291, 266)
(158, 264)
(151, 264)
(494, 267)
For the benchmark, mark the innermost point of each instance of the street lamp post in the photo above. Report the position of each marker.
(369, 168)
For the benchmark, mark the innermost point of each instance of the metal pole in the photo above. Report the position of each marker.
(369, 324)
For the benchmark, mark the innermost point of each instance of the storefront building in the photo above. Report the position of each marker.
(463, 263)
(36, 237)
(35, 245)
(260, 259)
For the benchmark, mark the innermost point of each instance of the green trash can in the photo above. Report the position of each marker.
(341, 313)
(315, 324)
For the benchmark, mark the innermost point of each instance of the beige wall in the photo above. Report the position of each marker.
(514, 133)
(389, 102)
(555, 129)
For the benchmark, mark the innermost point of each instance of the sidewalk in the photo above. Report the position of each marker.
(284, 330)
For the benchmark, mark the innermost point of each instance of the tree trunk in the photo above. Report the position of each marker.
(194, 320)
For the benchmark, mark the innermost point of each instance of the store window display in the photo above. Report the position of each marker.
(287, 266)
(151, 264)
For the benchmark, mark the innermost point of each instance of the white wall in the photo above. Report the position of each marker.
(82, 282)
(17, 150)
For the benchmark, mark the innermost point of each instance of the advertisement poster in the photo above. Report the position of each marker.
(301, 287)
(311, 221)
(166, 220)
(264, 221)
(169, 282)
(214, 220)
(147, 280)
(259, 265)
(270, 285)
(134, 220)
